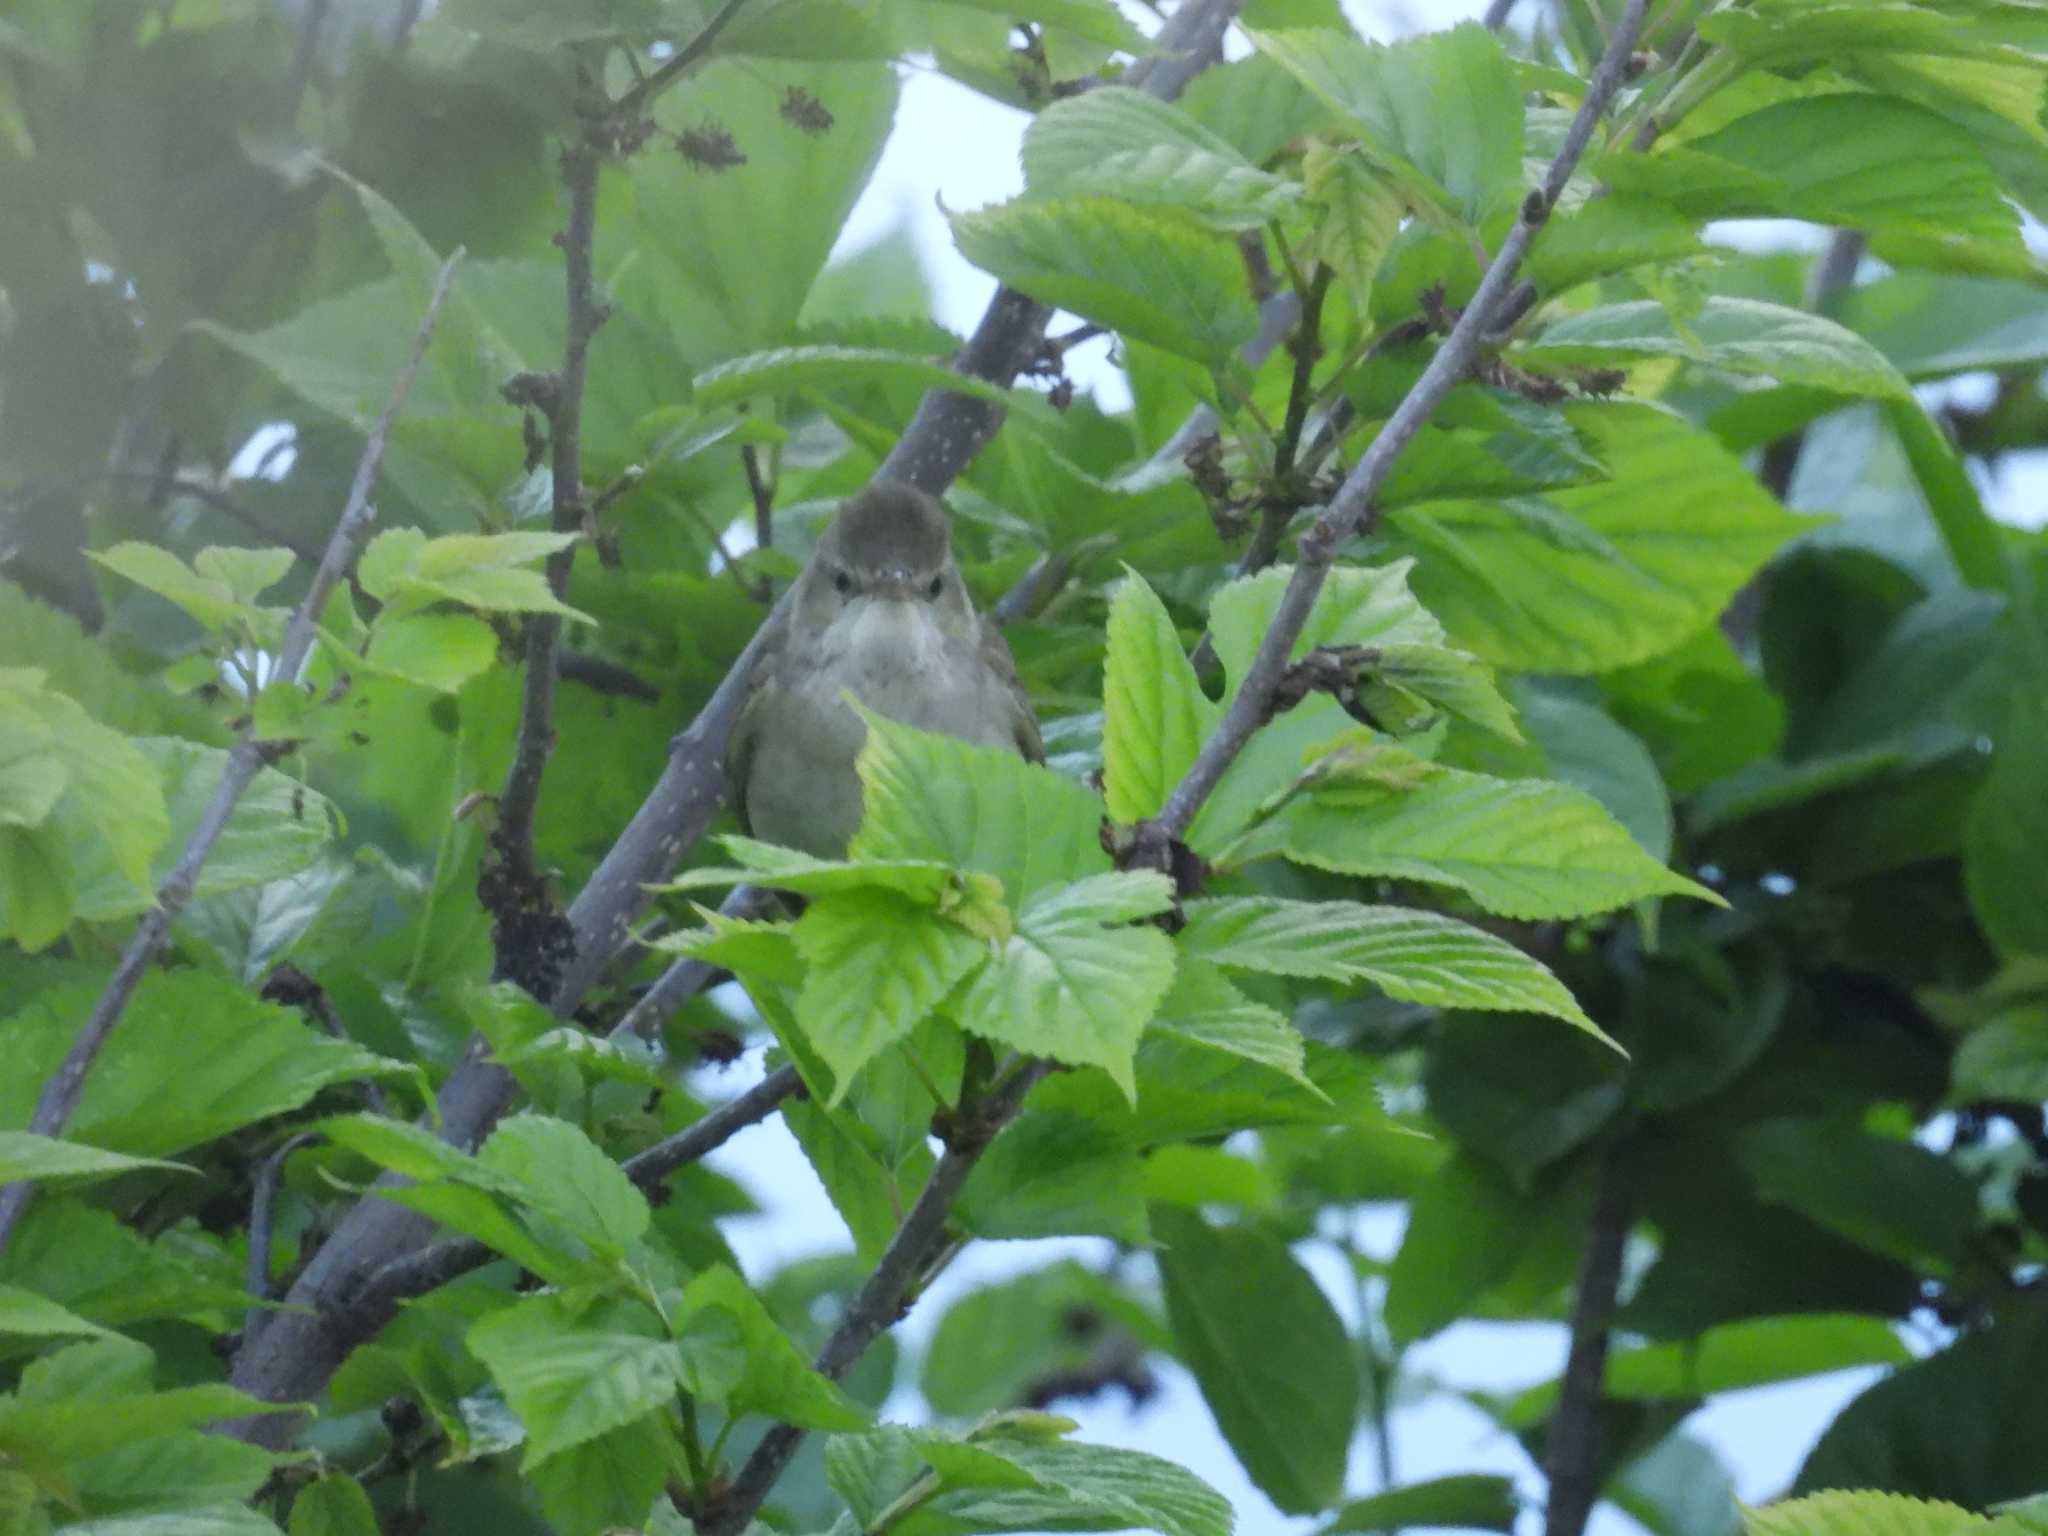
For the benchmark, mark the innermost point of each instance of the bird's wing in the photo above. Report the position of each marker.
(765, 683)
(995, 650)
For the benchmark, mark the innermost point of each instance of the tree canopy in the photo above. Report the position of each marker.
(1542, 729)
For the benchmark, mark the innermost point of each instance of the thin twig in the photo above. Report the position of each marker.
(764, 498)
(60, 1094)
(1571, 1454)
(262, 1227)
(677, 64)
(430, 1268)
(686, 977)
(1353, 508)
(529, 937)
(885, 1293)
(220, 501)
(1046, 576)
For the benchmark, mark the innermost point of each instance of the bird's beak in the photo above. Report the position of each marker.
(894, 585)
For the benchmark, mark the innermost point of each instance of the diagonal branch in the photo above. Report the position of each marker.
(1353, 509)
(883, 1298)
(61, 1093)
(528, 934)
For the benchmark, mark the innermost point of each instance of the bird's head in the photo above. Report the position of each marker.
(886, 558)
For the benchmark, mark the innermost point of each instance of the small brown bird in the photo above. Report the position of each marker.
(880, 612)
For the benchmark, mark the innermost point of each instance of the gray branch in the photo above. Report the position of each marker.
(60, 1095)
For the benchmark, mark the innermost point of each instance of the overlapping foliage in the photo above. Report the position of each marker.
(1649, 842)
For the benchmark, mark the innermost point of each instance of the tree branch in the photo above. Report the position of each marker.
(61, 1093)
(1571, 1452)
(885, 1295)
(1352, 510)
(432, 1267)
(528, 934)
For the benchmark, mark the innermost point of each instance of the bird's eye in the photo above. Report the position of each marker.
(938, 585)
(842, 583)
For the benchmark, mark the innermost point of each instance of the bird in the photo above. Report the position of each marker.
(879, 612)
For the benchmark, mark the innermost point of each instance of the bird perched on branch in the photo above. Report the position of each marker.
(880, 613)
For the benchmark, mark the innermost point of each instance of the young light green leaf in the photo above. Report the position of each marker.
(208, 599)
(1067, 985)
(1205, 1009)
(879, 963)
(1154, 713)
(1524, 848)
(1441, 113)
(441, 651)
(1730, 335)
(934, 799)
(563, 1174)
(1121, 143)
(1149, 273)
(1594, 577)
(26, 1315)
(572, 1377)
(334, 1505)
(1419, 957)
(25, 1155)
(774, 1379)
(240, 1060)
(246, 573)
(1869, 1512)
(407, 571)
(1360, 215)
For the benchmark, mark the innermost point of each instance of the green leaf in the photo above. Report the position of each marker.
(1360, 215)
(1586, 748)
(1915, 179)
(1052, 1174)
(1441, 112)
(994, 1342)
(1418, 957)
(246, 573)
(1941, 1428)
(1867, 1512)
(607, 1483)
(1469, 1502)
(1068, 985)
(927, 883)
(1155, 716)
(932, 798)
(1732, 1358)
(334, 1505)
(212, 1520)
(568, 1377)
(1604, 236)
(111, 814)
(441, 651)
(277, 829)
(1893, 1196)
(406, 570)
(1730, 335)
(103, 1271)
(1587, 579)
(774, 1380)
(1121, 143)
(1967, 529)
(1150, 274)
(80, 1424)
(563, 1174)
(26, 1315)
(1096, 20)
(790, 370)
(239, 1061)
(24, 1155)
(847, 1156)
(879, 964)
(1285, 1398)
(726, 259)
(1523, 848)
(36, 895)
(208, 599)
(1204, 1009)
(1466, 1228)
